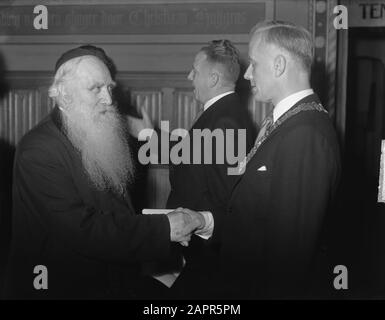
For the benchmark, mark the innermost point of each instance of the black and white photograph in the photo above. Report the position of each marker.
(190, 155)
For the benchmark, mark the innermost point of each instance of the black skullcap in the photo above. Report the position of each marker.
(86, 50)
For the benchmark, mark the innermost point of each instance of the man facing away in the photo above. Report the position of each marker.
(207, 187)
(204, 185)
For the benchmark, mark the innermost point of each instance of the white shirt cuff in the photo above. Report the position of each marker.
(207, 231)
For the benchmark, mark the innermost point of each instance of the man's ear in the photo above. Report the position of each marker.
(213, 79)
(65, 96)
(279, 65)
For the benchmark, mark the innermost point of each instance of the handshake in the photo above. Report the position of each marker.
(183, 222)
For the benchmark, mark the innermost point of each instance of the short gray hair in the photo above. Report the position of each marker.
(296, 40)
(224, 53)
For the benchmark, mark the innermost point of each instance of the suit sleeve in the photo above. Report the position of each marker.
(304, 174)
(48, 190)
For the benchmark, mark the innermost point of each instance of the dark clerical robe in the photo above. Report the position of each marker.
(90, 241)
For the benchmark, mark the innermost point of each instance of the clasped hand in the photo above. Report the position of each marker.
(183, 222)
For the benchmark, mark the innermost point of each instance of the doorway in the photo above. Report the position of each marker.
(364, 217)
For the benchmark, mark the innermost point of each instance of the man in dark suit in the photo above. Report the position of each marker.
(75, 232)
(277, 208)
(207, 187)
(276, 212)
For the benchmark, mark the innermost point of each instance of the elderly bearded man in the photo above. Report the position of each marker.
(72, 213)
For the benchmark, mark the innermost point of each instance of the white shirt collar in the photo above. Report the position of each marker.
(285, 104)
(215, 99)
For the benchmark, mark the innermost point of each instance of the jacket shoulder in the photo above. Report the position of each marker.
(228, 105)
(43, 138)
(230, 108)
(307, 125)
(315, 119)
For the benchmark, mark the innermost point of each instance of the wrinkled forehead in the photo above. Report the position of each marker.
(92, 69)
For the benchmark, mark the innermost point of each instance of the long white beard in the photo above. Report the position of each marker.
(102, 142)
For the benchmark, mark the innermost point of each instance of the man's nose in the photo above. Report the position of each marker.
(247, 74)
(190, 76)
(106, 96)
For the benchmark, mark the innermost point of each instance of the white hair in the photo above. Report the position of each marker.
(66, 72)
(101, 142)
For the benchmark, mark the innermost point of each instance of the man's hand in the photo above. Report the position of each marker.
(182, 223)
(135, 125)
(195, 215)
